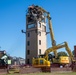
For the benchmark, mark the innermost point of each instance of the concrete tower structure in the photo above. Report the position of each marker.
(35, 33)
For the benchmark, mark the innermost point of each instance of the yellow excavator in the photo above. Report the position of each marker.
(42, 61)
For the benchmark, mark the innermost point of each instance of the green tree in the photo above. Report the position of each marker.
(62, 54)
(73, 52)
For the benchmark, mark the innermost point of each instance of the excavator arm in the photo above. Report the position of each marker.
(43, 62)
(37, 62)
(69, 51)
(54, 48)
(51, 30)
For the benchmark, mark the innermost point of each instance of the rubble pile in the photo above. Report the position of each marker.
(35, 12)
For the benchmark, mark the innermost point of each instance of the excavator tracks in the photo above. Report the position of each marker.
(46, 69)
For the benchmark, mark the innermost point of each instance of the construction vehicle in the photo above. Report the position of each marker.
(42, 61)
(5, 63)
(3, 59)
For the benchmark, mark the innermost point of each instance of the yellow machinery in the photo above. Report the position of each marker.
(5, 63)
(42, 61)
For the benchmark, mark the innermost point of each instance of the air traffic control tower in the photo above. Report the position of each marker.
(35, 33)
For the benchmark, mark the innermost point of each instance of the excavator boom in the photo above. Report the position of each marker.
(54, 48)
(51, 30)
(43, 61)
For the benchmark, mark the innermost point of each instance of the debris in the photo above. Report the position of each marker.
(35, 12)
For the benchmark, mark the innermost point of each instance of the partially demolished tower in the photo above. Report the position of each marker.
(35, 33)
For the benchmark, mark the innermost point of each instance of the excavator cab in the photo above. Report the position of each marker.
(40, 62)
(61, 59)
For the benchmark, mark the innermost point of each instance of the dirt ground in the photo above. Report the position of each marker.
(25, 70)
(3, 71)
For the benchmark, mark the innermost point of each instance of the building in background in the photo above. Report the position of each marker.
(75, 51)
(35, 33)
(17, 60)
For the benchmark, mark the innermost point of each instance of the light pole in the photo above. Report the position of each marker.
(25, 49)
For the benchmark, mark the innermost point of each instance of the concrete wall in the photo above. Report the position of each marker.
(34, 38)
